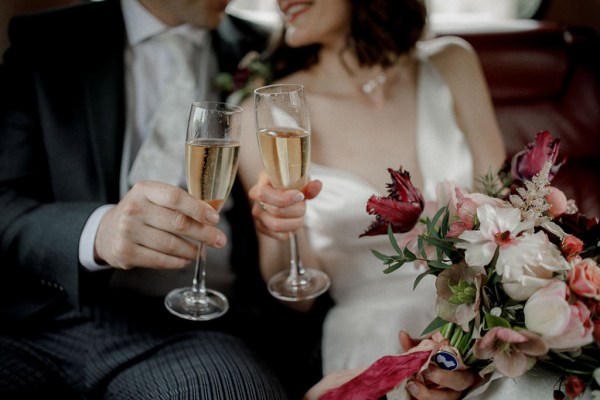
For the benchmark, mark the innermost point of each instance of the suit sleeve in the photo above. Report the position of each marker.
(39, 233)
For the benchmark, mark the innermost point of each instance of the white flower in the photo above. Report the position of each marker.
(526, 262)
(498, 227)
(529, 265)
(565, 325)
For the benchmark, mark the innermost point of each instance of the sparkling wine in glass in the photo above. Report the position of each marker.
(283, 130)
(211, 159)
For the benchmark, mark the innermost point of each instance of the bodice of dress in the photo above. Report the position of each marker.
(371, 307)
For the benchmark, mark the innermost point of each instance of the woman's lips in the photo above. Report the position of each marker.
(293, 10)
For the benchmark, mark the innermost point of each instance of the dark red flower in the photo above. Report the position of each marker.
(528, 162)
(574, 386)
(401, 208)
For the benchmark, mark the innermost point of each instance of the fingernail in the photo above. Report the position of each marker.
(298, 196)
(220, 240)
(426, 374)
(212, 217)
(412, 388)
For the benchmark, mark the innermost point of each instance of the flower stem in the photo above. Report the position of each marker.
(458, 338)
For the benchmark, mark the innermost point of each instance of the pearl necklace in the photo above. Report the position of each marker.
(374, 83)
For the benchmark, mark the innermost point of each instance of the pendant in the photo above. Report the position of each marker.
(372, 84)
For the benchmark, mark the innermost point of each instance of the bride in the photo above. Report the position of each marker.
(379, 97)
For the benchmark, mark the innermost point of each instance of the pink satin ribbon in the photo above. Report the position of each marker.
(381, 377)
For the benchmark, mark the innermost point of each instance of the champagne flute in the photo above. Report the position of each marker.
(211, 159)
(283, 130)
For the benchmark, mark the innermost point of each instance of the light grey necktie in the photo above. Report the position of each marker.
(161, 156)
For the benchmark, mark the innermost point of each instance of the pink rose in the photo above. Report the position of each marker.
(557, 200)
(584, 279)
(571, 246)
(564, 326)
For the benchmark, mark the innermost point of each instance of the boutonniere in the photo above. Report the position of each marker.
(252, 72)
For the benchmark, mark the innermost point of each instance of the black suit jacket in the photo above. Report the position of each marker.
(61, 136)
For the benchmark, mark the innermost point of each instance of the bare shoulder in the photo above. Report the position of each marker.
(450, 54)
(457, 61)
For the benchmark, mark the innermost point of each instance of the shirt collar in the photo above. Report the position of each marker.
(142, 24)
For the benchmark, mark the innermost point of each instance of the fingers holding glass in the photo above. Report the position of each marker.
(283, 133)
(211, 159)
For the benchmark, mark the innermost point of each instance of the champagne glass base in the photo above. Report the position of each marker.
(185, 303)
(309, 285)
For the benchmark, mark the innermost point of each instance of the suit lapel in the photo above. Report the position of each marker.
(105, 116)
(105, 101)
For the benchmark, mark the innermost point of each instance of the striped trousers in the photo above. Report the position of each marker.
(127, 349)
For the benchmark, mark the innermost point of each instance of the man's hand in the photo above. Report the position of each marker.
(156, 225)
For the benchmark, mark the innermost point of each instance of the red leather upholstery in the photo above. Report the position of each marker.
(544, 76)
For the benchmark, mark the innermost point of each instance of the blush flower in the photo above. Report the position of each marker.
(571, 246)
(584, 279)
(557, 200)
(564, 323)
(513, 352)
(528, 162)
(525, 262)
(529, 266)
(401, 208)
(462, 206)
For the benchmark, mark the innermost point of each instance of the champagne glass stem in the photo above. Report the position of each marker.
(198, 283)
(296, 267)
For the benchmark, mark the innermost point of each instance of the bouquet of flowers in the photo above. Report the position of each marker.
(516, 272)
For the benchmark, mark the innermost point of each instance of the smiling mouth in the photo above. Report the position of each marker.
(295, 9)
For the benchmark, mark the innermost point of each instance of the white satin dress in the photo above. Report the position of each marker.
(372, 307)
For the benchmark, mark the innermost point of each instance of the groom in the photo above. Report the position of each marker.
(79, 88)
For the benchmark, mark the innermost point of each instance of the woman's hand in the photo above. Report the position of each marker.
(438, 383)
(278, 212)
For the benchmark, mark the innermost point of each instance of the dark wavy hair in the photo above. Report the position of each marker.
(380, 31)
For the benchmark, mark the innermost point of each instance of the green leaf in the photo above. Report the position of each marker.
(493, 321)
(438, 215)
(434, 325)
(445, 224)
(420, 277)
(436, 264)
(421, 246)
(393, 239)
(225, 81)
(409, 255)
(393, 267)
(379, 255)
(441, 244)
